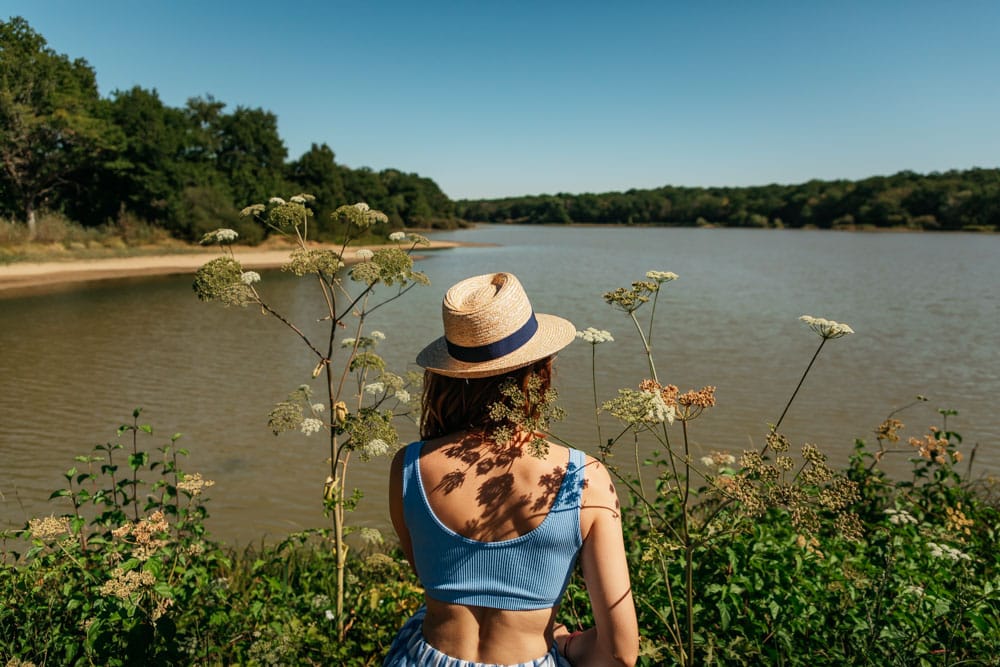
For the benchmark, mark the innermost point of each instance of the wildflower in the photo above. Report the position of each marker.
(362, 207)
(377, 335)
(371, 536)
(629, 300)
(374, 388)
(887, 430)
(48, 528)
(719, 460)
(311, 425)
(249, 277)
(932, 446)
(194, 484)
(329, 614)
(375, 447)
(777, 442)
(364, 254)
(123, 584)
(318, 407)
(640, 407)
(900, 517)
(277, 200)
(403, 396)
(397, 236)
(595, 336)
(702, 398)
(661, 276)
(956, 521)
(946, 551)
(827, 328)
(915, 591)
(348, 342)
(253, 209)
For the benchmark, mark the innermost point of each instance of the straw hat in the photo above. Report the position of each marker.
(490, 328)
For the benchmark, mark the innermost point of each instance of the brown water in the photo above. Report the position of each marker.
(926, 308)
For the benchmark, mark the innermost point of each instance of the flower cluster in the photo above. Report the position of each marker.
(719, 460)
(630, 299)
(48, 528)
(360, 215)
(934, 447)
(303, 261)
(221, 279)
(311, 425)
(827, 328)
(144, 534)
(397, 236)
(595, 336)
(219, 236)
(661, 276)
(947, 552)
(900, 517)
(249, 277)
(956, 521)
(123, 584)
(194, 484)
(887, 430)
(642, 408)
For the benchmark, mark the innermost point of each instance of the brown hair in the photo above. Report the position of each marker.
(457, 404)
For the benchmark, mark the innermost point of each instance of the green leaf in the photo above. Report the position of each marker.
(146, 428)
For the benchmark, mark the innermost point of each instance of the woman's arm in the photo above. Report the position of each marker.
(396, 505)
(615, 638)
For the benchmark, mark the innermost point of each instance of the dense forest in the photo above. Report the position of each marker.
(129, 158)
(954, 200)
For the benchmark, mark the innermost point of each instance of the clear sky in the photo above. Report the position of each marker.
(507, 98)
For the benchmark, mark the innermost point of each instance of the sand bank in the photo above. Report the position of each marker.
(34, 277)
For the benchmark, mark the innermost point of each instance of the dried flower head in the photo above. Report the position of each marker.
(661, 276)
(887, 430)
(640, 409)
(956, 521)
(630, 299)
(932, 446)
(49, 528)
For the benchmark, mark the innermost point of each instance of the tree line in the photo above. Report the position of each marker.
(953, 200)
(188, 170)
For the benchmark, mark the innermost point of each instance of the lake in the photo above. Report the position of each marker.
(926, 309)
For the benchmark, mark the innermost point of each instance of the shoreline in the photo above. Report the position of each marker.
(30, 278)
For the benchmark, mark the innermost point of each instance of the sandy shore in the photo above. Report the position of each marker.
(34, 277)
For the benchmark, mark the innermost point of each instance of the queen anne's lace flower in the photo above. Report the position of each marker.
(276, 200)
(595, 336)
(403, 396)
(311, 425)
(375, 388)
(397, 236)
(827, 328)
(661, 276)
(376, 447)
(364, 254)
(250, 277)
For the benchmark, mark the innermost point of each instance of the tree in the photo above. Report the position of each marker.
(49, 117)
(251, 154)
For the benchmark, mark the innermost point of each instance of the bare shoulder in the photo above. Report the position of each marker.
(600, 499)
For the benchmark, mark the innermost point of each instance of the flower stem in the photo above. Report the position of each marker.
(799, 385)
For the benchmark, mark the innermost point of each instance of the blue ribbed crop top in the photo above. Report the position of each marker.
(527, 572)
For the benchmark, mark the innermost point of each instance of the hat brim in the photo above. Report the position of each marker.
(554, 333)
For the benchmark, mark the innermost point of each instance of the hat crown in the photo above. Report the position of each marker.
(484, 309)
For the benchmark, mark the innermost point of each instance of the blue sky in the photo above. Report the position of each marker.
(507, 98)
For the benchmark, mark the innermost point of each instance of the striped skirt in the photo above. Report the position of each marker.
(410, 649)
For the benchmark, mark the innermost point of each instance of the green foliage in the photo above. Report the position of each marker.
(952, 200)
(130, 577)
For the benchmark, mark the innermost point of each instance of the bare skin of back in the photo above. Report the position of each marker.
(491, 493)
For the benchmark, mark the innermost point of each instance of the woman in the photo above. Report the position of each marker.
(491, 516)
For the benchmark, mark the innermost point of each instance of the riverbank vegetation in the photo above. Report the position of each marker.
(128, 167)
(765, 556)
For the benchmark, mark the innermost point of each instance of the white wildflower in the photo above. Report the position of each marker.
(318, 407)
(298, 199)
(661, 276)
(945, 551)
(376, 447)
(311, 425)
(361, 206)
(595, 336)
(250, 277)
(900, 517)
(707, 461)
(397, 236)
(329, 614)
(348, 342)
(364, 254)
(375, 388)
(377, 335)
(403, 396)
(827, 328)
(276, 200)
(252, 210)
(659, 411)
